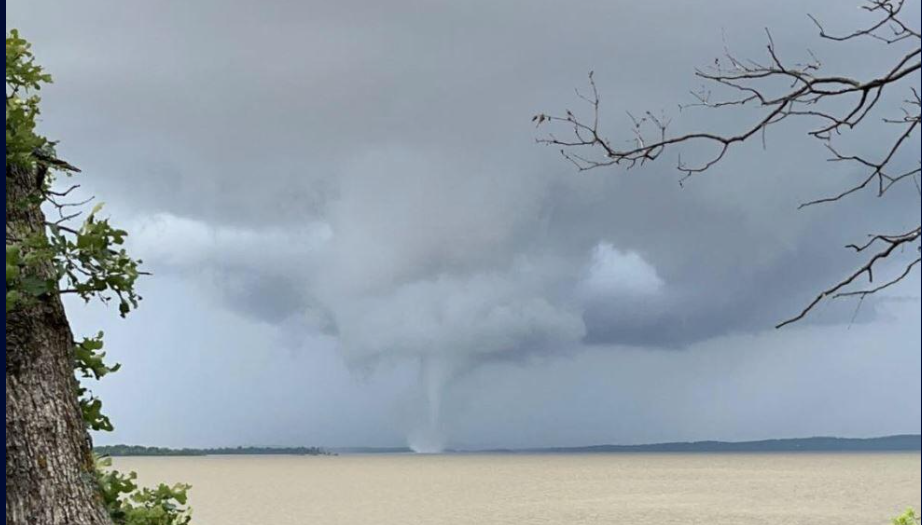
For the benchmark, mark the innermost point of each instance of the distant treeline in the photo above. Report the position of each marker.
(905, 443)
(135, 450)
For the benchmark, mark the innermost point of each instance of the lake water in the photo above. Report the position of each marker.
(655, 489)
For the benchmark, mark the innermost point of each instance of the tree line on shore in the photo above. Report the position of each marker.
(137, 450)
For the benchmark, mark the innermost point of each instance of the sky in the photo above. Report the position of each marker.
(356, 241)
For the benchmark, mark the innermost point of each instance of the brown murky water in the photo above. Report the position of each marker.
(656, 489)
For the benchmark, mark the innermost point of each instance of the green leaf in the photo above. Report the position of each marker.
(908, 518)
(91, 409)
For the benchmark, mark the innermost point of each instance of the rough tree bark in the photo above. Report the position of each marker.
(49, 465)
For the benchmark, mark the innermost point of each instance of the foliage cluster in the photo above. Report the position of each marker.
(130, 505)
(88, 261)
(907, 518)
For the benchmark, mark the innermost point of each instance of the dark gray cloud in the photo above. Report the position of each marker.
(366, 174)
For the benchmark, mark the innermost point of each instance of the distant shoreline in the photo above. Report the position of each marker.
(897, 443)
(141, 451)
(900, 443)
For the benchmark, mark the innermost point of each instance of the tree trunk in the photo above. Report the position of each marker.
(49, 465)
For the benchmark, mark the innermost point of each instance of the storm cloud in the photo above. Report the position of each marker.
(364, 176)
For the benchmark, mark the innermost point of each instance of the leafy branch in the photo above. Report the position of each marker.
(130, 505)
(90, 364)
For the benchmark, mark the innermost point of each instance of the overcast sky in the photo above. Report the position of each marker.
(356, 241)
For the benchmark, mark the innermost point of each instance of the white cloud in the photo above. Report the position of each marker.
(175, 241)
(613, 273)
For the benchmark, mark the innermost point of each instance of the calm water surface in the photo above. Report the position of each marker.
(720, 489)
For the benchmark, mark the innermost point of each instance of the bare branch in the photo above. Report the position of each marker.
(45, 158)
(839, 104)
(866, 269)
(890, 11)
(888, 284)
